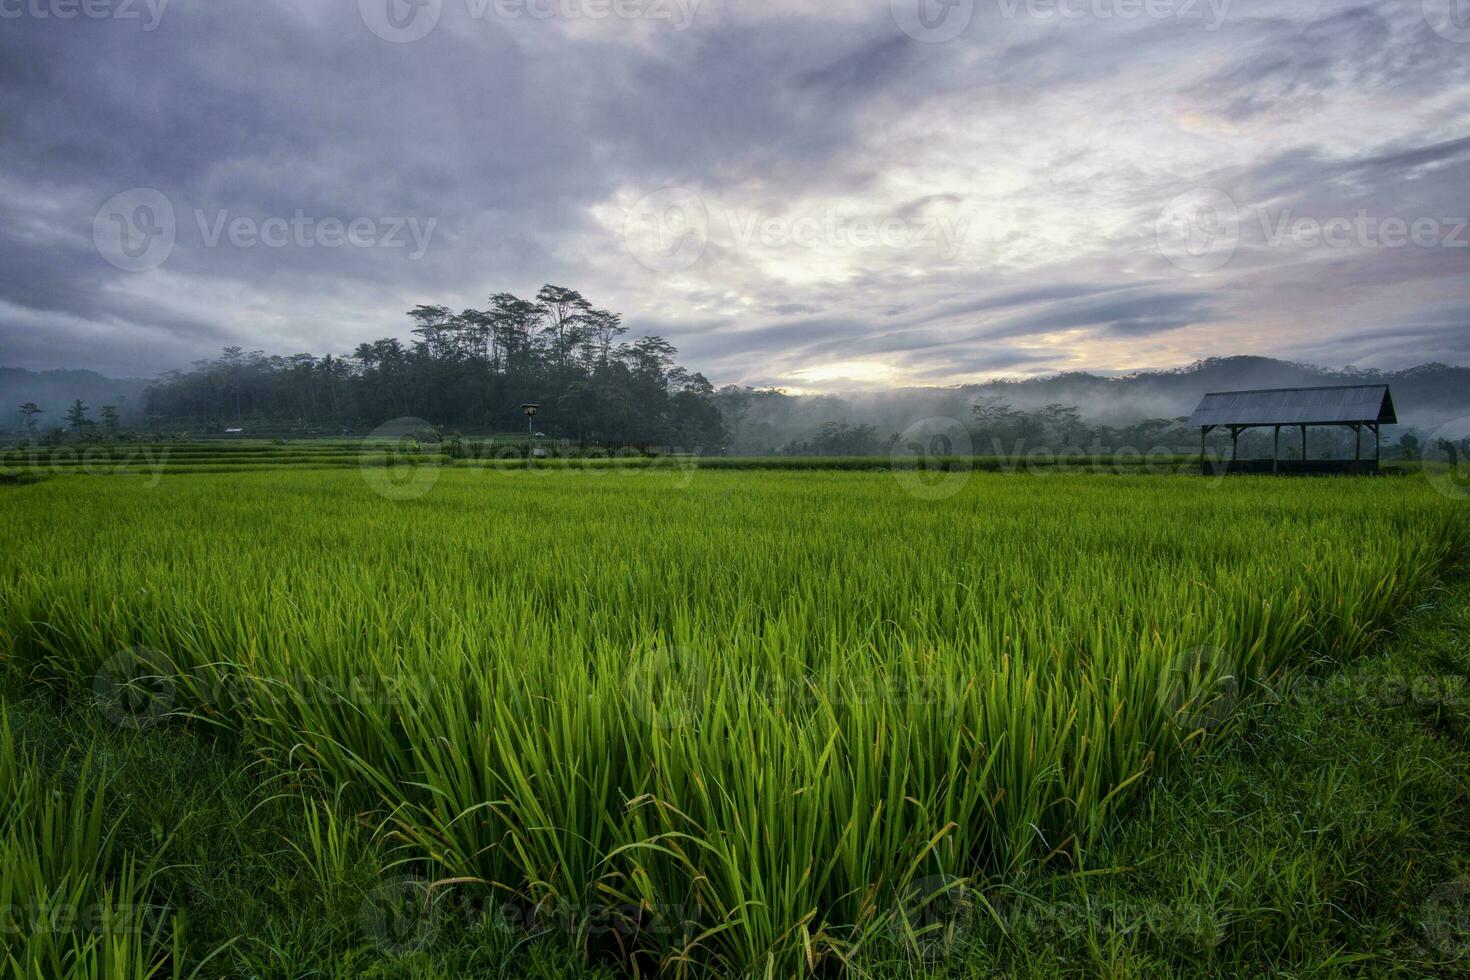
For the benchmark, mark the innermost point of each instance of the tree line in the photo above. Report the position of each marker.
(768, 421)
(761, 422)
(77, 420)
(470, 370)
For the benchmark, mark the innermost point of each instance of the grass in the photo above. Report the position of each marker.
(218, 456)
(1326, 837)
(232, 456)
(253, 873)
(736, 723)
(73, 900)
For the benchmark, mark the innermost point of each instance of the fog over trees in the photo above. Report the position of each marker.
(470, 370)
(1073, 410)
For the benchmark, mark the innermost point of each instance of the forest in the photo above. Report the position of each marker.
(468, 371)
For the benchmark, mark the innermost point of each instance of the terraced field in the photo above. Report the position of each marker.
(156, 458)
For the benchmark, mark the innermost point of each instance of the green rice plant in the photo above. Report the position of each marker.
(72, 905)
(707, 722)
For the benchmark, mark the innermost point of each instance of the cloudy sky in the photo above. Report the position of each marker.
(812, 193)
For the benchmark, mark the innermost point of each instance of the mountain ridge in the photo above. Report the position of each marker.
(54, 389)
(1425, 397)
(1425, 394)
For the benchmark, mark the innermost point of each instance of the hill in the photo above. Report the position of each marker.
(55, 390)
(1424, 396)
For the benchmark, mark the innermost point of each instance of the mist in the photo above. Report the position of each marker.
(765, 421)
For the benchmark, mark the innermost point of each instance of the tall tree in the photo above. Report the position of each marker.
(432, 323)
(76, 416)
(28, 413)
(604, 328)
(566, 313)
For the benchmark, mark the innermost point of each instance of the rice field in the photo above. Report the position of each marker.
(217, 456)
(703, 722)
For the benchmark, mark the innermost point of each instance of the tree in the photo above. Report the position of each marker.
(513, 322)
(1062, 425)
(837, 439)
(650, 357)
(76, 416)
(470, 370)
(697, 423)
(110, 422)
(28, 413)
(604, 328)
(566, 313)
(366, 355)
(432, 325)
(1451, 450)
(473, 327)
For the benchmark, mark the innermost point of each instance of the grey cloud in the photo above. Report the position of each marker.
(914, 209)
(866, 67)
(1132, 315)
(1021, 297)
(1297, 64)
(1413, 158)
(986, 361)
(1397, 345)
(722, 340)
(514, 134)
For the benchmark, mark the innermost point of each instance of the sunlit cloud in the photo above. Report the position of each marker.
(866, 201)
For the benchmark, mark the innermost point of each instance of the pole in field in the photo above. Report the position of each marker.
(530, 409)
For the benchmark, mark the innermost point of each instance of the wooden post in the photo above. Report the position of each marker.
(1234, 439)
(1202, 430)
(1275, 448)
(1376, 460)
(1304, 444)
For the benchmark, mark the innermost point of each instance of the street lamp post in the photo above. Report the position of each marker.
(530, 409)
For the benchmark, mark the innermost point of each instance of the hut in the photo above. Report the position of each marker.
(1357, 407)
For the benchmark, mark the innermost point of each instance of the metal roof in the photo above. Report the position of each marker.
(1340, 404)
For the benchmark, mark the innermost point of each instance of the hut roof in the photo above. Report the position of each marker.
(1337, 405)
